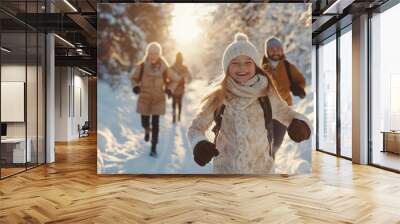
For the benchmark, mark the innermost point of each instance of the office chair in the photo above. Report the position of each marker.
(84, 130)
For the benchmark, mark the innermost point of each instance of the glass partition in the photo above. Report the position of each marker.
(346, 93)
(22, 87)
(14, 151)
(327, 96)
(385, 89)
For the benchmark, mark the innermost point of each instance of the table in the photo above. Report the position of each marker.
(391, 141)
(16, 148)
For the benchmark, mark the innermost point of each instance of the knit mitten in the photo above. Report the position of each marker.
(168, 92)
(298, 130)
(204, 151)
(136, 89)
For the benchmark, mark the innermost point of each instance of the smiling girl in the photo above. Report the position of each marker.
(242, 145)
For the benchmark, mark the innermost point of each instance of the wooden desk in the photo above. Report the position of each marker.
(13, 150)
(391, 141)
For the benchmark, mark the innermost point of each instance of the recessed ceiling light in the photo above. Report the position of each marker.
(84, 71)
(64, 40)
(70, 5)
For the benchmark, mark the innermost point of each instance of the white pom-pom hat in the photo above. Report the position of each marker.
(240, 46)
(154, 47)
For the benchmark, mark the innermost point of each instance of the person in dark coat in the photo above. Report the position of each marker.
(183, 76)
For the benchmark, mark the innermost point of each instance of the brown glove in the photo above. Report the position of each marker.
(203, 152)
(169, 93)
(298, 130)
(136, 90)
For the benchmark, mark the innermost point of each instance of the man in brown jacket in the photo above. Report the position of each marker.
(287, 78)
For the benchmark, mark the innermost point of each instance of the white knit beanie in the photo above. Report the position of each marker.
(154, 47)
(240, 46)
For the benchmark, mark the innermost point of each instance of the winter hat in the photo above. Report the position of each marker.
(179, 58)
(240, 46)
(272, 42)
(154, 47)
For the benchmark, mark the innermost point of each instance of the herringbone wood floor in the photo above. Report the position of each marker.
(70, 191)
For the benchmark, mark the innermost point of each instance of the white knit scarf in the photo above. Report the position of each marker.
(243, 95)
(253, 88)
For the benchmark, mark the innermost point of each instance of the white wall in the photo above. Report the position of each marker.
(80, 83)
(13, 73)
(10, 73)
(61, 104)
(71, 87)
(13, 100)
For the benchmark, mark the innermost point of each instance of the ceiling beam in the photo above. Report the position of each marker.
(81, 61)
(320, 23)
(337, 7)
(83, 23)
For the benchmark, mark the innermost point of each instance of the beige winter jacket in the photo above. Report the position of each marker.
(242, 141)
(153, 83)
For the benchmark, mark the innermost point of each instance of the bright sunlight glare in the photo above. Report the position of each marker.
(185, 27)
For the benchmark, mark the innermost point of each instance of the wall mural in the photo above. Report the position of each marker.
(204, 88)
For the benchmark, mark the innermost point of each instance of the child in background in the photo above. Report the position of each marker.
(183, 76)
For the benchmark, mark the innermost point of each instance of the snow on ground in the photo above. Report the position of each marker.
(292, 157)
(122, 150)
(121, 147)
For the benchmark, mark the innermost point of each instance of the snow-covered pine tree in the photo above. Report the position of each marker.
(123, 33)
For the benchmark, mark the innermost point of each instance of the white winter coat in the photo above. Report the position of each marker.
(242, 141)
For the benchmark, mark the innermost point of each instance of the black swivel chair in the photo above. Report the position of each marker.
(84, 130)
